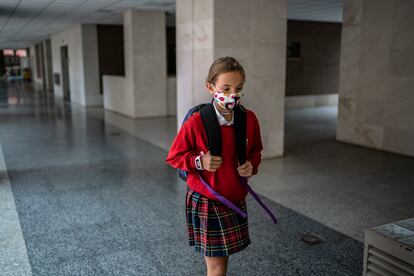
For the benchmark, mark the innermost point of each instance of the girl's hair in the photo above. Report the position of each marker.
(224, 65)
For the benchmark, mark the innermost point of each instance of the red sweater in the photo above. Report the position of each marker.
(192, 139)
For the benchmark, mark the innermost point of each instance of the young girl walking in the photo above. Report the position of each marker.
(214, 229)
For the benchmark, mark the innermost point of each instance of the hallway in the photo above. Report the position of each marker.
(94, 198)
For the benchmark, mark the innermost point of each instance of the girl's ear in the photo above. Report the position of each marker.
(209, 88)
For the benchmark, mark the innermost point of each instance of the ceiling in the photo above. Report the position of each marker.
(25, 22)
(315, 10)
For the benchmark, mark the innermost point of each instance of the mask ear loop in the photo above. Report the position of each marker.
(226, 94)
(213, 98)
(214, 87)
(239, 94)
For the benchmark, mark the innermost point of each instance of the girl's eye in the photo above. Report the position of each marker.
(227, 89)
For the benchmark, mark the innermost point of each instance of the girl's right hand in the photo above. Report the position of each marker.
(210, 163)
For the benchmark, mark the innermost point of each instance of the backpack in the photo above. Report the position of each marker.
(181, 173)
(211, 125)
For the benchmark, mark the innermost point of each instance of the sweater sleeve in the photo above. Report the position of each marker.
(182, 153)
(255, 155)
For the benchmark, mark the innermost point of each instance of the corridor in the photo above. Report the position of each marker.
(92, 93)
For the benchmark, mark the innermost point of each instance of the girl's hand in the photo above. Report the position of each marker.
(246, 169)
(210, 163)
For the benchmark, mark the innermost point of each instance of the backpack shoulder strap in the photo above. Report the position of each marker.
(211, 125)
(240, 121)
(209, 118)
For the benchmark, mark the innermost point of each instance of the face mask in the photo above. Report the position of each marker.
(227, 101)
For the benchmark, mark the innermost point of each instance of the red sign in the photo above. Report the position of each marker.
(21, 53)
(8, 52)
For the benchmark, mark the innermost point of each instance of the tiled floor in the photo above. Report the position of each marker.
(94, 196)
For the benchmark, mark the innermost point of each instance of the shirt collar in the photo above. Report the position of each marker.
(221, 120)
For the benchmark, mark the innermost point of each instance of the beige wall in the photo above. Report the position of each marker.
(376, 96)
(83, 64)
(117, 97)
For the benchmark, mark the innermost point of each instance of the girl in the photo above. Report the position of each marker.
(214, 229)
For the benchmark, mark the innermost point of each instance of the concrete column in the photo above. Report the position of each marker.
(377, 75)
(90, 58)
(47, 55)
(254, 32)
(36, 58)
(32, 57)
(145, 63)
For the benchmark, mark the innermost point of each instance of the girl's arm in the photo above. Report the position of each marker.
(182, 153)
(255, 155)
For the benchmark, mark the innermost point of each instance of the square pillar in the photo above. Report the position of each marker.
(48, 77)
(253, 32)
(145, 62)
(377, 75)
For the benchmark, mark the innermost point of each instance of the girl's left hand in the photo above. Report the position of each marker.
(246, 169)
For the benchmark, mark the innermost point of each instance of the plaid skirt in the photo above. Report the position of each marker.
(213, 228)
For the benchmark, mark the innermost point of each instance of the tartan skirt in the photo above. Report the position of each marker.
(213, 228)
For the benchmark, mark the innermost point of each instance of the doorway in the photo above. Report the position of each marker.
(65, 72)
(312, 81)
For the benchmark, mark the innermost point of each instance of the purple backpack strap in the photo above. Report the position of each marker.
(229, 204)
(256, 197)
(222, 199)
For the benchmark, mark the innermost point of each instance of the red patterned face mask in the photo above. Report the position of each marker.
(227, 100)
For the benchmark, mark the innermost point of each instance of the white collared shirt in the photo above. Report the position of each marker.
(222, 121)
